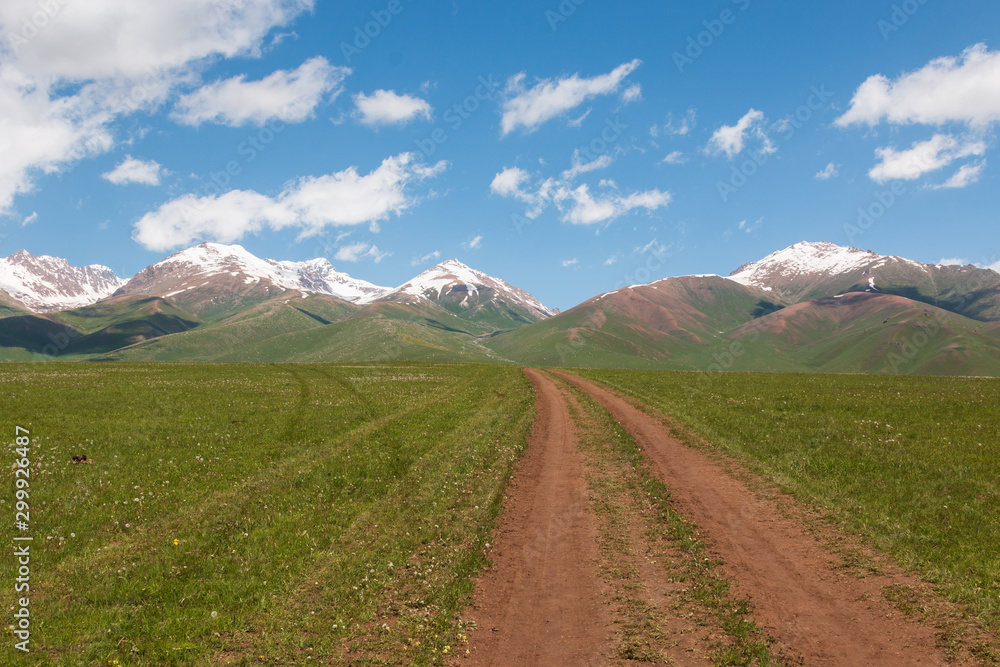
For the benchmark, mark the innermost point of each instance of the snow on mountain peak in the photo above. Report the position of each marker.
(452, 275)
(45, 283)
(315, 275)
(804, 259)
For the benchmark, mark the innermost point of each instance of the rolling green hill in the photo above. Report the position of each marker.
(647, 326)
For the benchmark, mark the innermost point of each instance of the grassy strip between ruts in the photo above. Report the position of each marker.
(638, 522)
(244, 514)
(909, 464)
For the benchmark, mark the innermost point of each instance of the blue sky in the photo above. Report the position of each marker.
(568, 147)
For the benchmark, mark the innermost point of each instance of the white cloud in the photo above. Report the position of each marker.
(576, 204)
(632, 94)
(30, 219)
(829, 171)
(358, 251)
(417, 261)
(676, 128)
(530, 108)
(923, 157)
(385, 107)
(311, 204)
(579, 207)
(731, 139)
(287, 95)
(569, 262)
(954, 261)
(508, 182)
(577, 122)
(580, 167)
(112, 39)
(611, 260)
(750, 227)
(475, 243)
(132, 170)
(967, 174)
(965, 89)
(658, 249)
(677, 157)
(62, 90)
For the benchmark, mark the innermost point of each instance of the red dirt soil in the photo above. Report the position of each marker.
(541, 602)
(829, 617)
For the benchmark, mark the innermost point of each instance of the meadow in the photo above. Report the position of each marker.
(252, 514)
(910, 464)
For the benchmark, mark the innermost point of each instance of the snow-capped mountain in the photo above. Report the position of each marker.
(812, 270)
(231, 268)
(452, 283)
(804, 268)
(46, 284)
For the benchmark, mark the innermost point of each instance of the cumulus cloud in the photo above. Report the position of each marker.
(311, 204)
(475, 243)
(580, 167)
(569, 262)
(750, 227)
(576, 204)
(358, 251)
(287, 95)
(385, 107)
(731, 139)
(579, 207)
(632, 94)
(676, 157)
(110, 39)
(829, 171)
(132, 170)
(967, 174)
(30, 219)
(923, 157)
(964, 89)
(530, 108)
(62, 90)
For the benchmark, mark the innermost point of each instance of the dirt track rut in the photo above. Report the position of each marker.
(828, 617)
(540, 604)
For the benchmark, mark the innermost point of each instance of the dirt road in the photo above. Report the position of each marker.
(829, 618)
(541, 602)
(544, 602)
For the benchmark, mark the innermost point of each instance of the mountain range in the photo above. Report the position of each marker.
(809, 307)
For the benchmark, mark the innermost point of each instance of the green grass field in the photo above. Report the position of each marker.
(274, 514)
(909, 463)
(245, 514)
